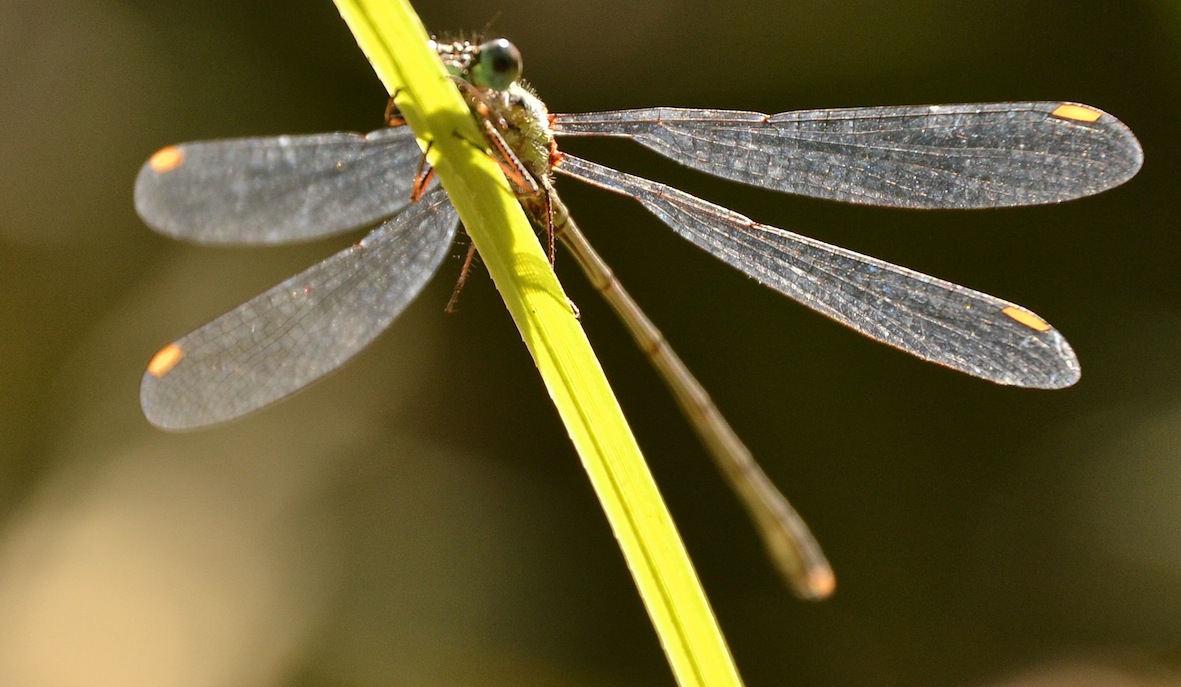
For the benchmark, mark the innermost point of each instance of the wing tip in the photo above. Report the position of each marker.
(1061, 368)
(1121, 135)
(157, 397)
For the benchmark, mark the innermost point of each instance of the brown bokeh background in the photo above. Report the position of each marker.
(420, 517)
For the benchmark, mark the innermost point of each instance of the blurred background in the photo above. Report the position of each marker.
(420, 518)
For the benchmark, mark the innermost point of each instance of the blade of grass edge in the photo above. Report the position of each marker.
(663, 573)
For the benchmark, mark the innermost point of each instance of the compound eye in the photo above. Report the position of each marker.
(497, 65)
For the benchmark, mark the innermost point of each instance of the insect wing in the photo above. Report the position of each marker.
(928, 317)
(279, 189)
(301, 329)
(938, 156)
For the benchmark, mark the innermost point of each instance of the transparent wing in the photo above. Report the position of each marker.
(930, 318)
(301, 329)
(276, 190)
(938, 156)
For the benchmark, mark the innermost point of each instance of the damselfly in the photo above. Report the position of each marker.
(294, 188)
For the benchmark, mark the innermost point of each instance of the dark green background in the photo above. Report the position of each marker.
(420, 518)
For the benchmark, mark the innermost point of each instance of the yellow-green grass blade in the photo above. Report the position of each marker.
(395, 42)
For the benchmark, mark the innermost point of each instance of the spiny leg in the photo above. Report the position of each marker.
(463, 272)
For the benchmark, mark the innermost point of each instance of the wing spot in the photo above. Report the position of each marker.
(165, 360)
(166, 159)
(1079, 113)
(1026, 318)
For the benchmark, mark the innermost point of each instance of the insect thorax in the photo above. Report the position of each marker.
(526, 128)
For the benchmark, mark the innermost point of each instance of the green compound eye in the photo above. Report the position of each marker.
(497, 65)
